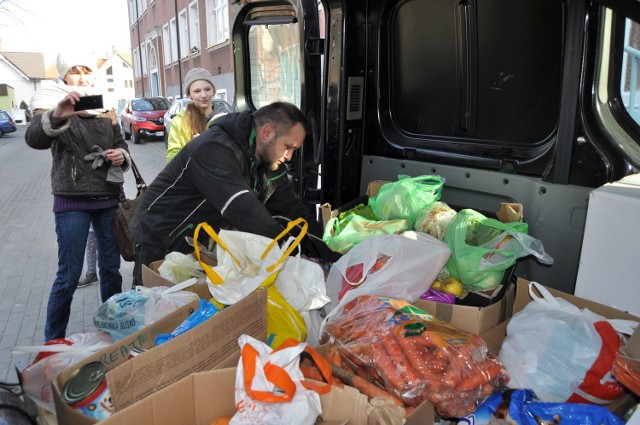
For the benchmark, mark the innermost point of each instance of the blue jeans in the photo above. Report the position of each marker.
(72, 229)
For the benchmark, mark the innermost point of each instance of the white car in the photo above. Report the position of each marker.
(178, 105)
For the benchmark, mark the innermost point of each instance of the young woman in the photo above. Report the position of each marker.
(89, 158)
(192, 121)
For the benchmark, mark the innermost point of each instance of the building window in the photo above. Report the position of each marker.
(111, 89)
(174, 40)
(217, 21)
(194, 28)
(184, 34)
(144, 61)
(110, 70)
(136, 63)
(132, 12)
(144, 6)
(166, 45)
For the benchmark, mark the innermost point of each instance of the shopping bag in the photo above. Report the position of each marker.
(406, 198)
(396, 266)
(247, 262)
(342, 234)
(270, 388)
(562, 352)
(483, 248)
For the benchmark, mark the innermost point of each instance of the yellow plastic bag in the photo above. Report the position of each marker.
(247, 262)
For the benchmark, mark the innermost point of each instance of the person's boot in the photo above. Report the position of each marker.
(88, 279)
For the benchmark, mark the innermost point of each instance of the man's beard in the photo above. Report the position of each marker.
(268, 155)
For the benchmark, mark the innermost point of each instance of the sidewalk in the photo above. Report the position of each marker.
(28, 248)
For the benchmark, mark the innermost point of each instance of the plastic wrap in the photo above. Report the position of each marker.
(415, 356)
(435, 219)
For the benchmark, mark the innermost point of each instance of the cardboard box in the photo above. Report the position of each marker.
(609, 268)
(494, 337)
(204, 396)
(469, 318)
(213, 344)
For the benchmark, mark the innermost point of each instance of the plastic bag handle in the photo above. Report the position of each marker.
(291, 247)
(546, 297)
(320, 361)
(274, 374)
(180, 286)
(211, 274)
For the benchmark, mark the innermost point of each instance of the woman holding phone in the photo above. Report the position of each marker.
(89, 158)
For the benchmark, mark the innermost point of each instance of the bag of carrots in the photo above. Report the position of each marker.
(415, 356)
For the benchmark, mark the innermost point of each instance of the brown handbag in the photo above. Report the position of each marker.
(124, 213)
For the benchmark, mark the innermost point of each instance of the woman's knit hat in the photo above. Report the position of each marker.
(68, 60)
(196, 74)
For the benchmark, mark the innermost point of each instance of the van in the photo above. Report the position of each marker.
(532, 102)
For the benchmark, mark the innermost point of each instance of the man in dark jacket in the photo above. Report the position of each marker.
(232, 176)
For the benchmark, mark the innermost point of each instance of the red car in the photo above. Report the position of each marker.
(144, 117)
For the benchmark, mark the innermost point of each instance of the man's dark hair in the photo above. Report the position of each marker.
(282, 115)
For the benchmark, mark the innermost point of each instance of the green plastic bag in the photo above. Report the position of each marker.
(406, 198)
(478, 267)
(343, 232)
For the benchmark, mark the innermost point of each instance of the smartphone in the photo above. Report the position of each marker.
(88, 102)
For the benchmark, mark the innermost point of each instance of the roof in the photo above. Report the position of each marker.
(31, 64)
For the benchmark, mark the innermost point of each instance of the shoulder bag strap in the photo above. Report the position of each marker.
(140, 184)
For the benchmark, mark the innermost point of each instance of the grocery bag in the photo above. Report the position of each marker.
(270, 388)
(406, 198)
(246, 262)
(562, 352)
(396, 266)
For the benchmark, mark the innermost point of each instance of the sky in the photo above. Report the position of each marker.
(48, 26)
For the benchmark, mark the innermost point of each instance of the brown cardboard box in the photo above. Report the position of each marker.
(494, 337)
(472, 319)
(213, 344)
(204, 396)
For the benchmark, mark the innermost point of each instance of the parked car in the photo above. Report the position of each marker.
(7, 125)
(219, 106)
(144, 117)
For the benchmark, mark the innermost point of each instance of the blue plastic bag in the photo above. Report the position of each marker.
(199, 316)
(523, 407)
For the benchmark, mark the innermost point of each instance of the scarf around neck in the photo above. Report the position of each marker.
(48, 97)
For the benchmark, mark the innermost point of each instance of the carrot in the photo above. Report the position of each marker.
(403, 367)
(334, 357)
(311, 372)
(364, 386)
(483, 373)
(414, 356)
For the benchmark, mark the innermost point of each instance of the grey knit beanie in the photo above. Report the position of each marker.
(67, 60)
(196, 74)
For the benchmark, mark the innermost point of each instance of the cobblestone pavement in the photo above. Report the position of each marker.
(28, 249)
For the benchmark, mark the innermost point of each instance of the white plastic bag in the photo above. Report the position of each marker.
(123, 314)
(301, 282)
(178, 266)
(562, 352)
(275, 394)
(37, 378)
(395, 266)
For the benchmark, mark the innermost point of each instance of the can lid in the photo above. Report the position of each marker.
(83, 382)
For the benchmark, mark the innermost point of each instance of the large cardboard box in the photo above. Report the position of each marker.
(494, 337)
(213, 344)
(469, 318)
(205, 396)
(609, 267)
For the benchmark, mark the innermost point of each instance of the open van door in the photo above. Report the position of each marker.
(277, 54)
(508, 100)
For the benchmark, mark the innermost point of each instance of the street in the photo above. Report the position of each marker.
(28, 251)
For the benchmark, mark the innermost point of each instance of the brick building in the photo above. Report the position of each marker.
(169, 37)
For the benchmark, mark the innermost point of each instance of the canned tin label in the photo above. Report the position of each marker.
(86, 390)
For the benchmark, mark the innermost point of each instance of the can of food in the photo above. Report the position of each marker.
(86, 390)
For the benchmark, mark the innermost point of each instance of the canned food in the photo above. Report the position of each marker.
(86, 390)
